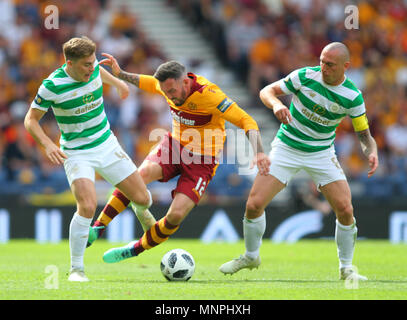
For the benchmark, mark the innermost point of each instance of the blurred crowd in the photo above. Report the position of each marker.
(261, 41)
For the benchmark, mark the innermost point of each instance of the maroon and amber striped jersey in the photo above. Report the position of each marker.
(199, 124)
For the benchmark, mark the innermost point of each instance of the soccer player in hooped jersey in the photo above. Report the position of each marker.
(322, 97)
(74, 92)
(198, 108)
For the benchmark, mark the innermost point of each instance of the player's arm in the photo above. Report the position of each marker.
(32, 124)
(144, 82)
(111, 61)
(261, 160)
(367, 142)
(236, 115)
(269, 97)
(121, 87)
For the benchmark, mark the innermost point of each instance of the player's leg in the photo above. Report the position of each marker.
(84, 192)
(191, 185)
(132, 190)
(164, 228)
(264, 189)
(125, 191)
(284, 165)
(339, 197)
(157, 234)
(116, 204)
(150, 170)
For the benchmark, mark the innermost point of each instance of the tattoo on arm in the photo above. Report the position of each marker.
(130, 77)
(367, 142)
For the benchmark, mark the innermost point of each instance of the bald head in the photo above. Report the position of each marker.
(338, 49)
(334, 61)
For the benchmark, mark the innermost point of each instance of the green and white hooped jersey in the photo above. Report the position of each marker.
(317, 109)
(78, 108)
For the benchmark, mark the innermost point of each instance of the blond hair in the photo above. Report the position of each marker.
(77, 48)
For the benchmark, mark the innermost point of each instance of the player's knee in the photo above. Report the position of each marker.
(143, 199)
(144, 173)
(345, 208)
(149, 172)
(344, 212)
(175, 217)
(87, 207)
(254, 208)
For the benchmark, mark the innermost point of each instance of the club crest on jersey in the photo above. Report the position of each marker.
(318, 109)
(192, 106)
(88, 98)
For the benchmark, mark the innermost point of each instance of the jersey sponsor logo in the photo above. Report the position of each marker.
(190, 119)
(87, 108)
(314, 118)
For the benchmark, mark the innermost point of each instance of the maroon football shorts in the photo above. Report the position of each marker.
(195, 171)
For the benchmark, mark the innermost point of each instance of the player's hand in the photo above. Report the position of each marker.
(263, 163)
(111, 62)
(54, 154)
(282, 113)
(123, 89)
(373, 164)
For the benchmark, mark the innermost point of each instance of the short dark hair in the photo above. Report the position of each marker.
(169, 70)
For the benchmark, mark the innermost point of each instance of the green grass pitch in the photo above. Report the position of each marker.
(304, 270)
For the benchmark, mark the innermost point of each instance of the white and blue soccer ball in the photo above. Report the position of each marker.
(177, 265)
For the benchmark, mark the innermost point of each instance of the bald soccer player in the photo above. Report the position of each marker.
(322, 97)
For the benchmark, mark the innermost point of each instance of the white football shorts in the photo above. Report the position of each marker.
(108, 159)
(322, 166)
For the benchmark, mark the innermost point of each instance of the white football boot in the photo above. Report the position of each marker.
(77, 275)
(240, 263)
(349, 273)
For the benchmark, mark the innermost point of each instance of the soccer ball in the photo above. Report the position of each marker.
(177, 265)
